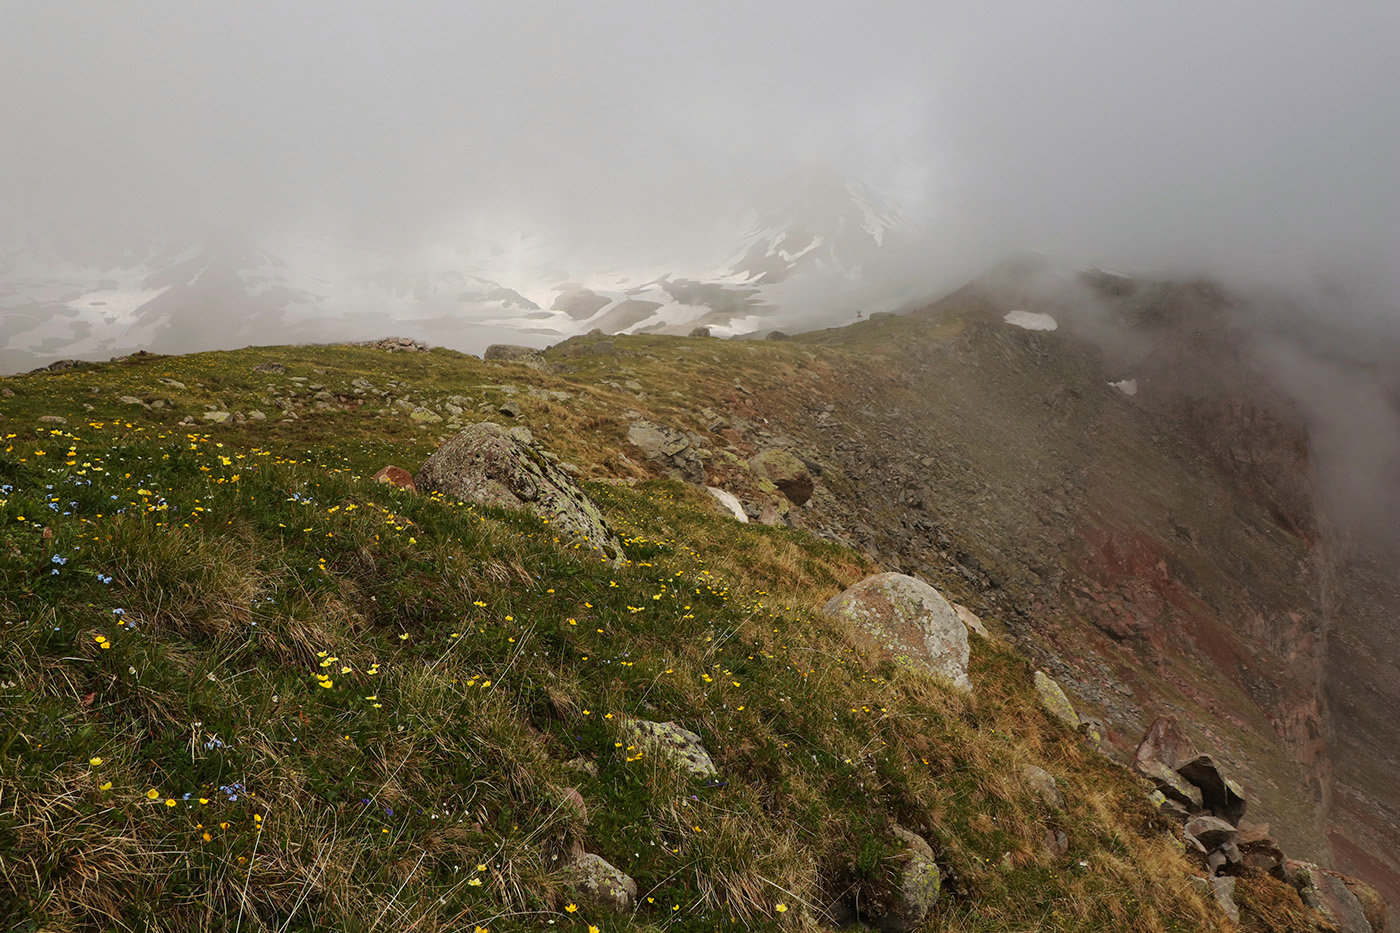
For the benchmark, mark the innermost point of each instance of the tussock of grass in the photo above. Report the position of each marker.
(252, 690)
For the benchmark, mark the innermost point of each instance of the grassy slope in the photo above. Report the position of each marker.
(245, 688)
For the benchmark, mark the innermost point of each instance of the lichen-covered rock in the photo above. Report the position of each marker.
(668, 448)
(909, 620)
(1053, 698)
(786, 471)
(919, 884)
(603, 883)
(674, 742)
(484, 464)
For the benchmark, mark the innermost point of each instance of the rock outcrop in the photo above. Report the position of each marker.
(668, 448)
(484, 463)
(1327, 893)
(511, 353)
(910, 621)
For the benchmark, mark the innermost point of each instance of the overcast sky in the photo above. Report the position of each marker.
(1215, 136)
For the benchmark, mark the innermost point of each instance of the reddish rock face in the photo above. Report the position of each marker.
(398, 476)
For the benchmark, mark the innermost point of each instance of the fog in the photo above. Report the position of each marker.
(1246, 139)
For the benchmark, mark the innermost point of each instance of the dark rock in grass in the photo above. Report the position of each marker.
(603, 883)
(700, 332)
(785, 471)
(510, 409)
(397, 476)
(909, 620)
(484, 464)
(1171, 785)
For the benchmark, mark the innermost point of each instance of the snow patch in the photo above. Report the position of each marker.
(1126, 386)
(1030, 320)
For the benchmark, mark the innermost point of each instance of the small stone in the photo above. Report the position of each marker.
(218, 417)
(603, 883)
(971, 620)
(1043, 783)
(396, 476)
(269, 368)
(510, 409)
(255, 415)
(675, 742)
(53, 419)
(730, 502)
(425, 416)
(173, 383)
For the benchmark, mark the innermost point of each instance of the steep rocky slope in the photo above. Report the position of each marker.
(1164, 552)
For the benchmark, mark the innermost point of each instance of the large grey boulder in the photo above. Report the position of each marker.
(672, 741)
(668, 448)
(485, 464)
(909, 620)
(1162, 749)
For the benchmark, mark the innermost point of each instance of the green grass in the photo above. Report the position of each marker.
(245, 688)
